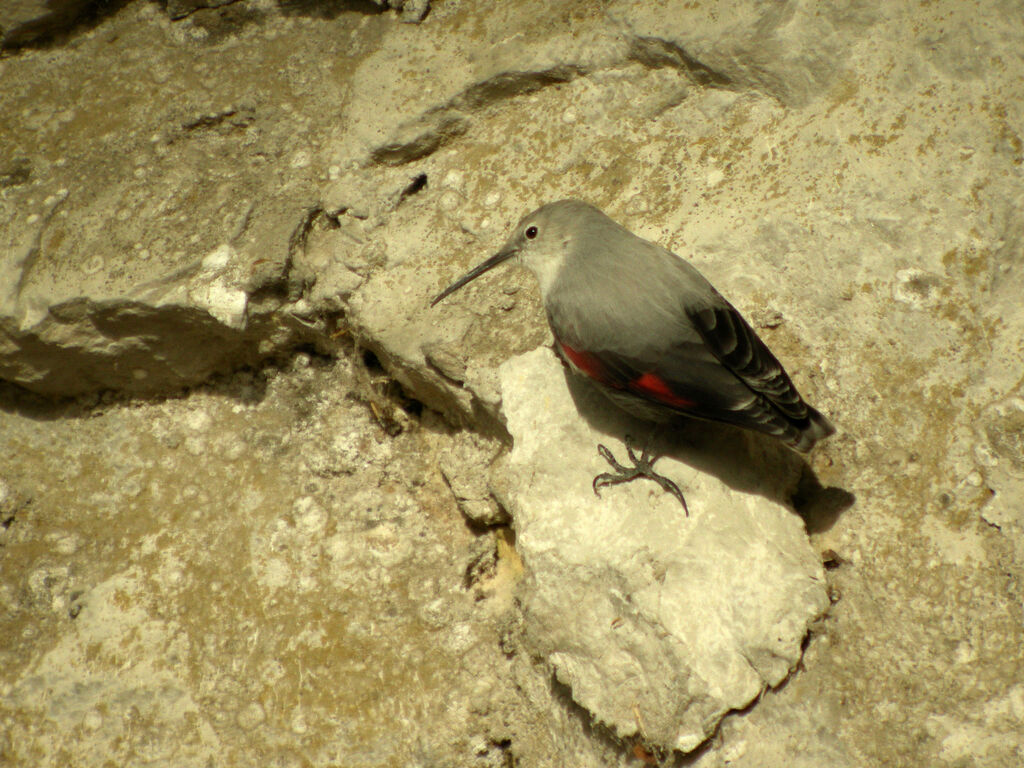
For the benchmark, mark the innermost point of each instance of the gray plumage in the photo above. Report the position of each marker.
(650, 329)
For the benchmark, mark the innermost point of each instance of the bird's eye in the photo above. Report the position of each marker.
(531, 232)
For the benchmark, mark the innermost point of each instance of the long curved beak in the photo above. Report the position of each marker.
(503, 255)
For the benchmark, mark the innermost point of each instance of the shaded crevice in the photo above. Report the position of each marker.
(418, 184)
(247, 384)
(143, 350)
(655, 53)
(299, 236)
(203, 320)
(440, 125)
(507, 85)
(53, 29)
(330, 9)
(390, 405)
(223, 18)
(228, 121)
(425, 143)
(287, 285)
(18, 171)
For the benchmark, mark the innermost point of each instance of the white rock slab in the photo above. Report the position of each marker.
(660, 624)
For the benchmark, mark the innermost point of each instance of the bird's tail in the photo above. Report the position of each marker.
(803, 436)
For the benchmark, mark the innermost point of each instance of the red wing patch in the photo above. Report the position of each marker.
(584, 361)
(654, 387)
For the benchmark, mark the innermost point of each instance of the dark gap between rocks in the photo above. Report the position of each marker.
(386, 398)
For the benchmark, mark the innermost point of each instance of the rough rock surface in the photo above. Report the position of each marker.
(659, 624)
(255, 569)
(27, 21)
(181, 199)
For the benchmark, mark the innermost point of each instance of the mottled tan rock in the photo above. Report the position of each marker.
(658, 622)
(183, 197)
(26, 21)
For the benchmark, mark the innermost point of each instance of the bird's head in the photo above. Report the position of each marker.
(540, 241)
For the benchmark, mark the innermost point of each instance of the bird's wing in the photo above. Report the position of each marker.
(686, 378)
(660, 332)
(723, 372)
(731, 339)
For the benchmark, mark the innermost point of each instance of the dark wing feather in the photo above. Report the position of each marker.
(731, 339)
(727, 375)
(735, 343)
(687, 379)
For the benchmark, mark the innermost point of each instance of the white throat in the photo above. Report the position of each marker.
(545, 268)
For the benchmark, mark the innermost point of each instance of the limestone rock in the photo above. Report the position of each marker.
(1000, 453)
(161, 335)
(660, 624)
(179, 9)
(791, 50)
(26, 21)
(465, 469)
(179, 197)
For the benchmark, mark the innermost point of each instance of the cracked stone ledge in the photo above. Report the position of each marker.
(200, 318)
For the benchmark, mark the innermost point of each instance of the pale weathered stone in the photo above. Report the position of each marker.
(465, 468)
(184, 197)
(790, 50)
(659, 623)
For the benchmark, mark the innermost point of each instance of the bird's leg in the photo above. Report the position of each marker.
(643, 466)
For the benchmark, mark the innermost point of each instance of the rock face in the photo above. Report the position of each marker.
(659, 624)
(26, 21)
(192, 194)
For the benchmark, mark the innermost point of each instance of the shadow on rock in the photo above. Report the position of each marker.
(745, 461)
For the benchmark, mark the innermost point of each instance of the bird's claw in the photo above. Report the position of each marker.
(608, 456)
(643, 466)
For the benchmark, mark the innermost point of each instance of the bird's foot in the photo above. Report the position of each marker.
(643, 466)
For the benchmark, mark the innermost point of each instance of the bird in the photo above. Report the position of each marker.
(651, 332)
